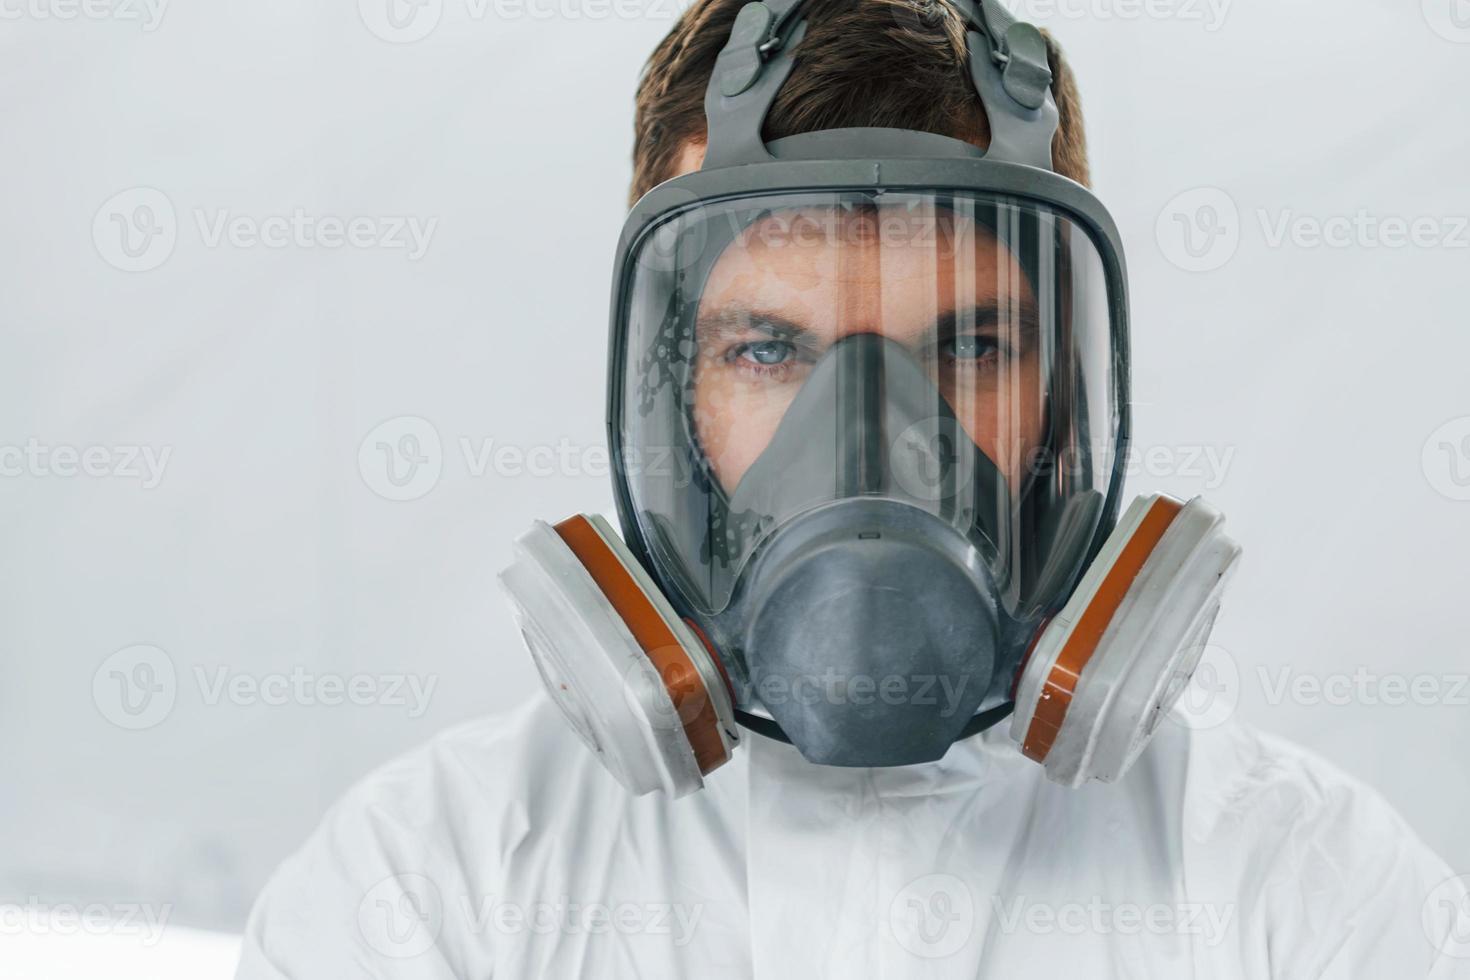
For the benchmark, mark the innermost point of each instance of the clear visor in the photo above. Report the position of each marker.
(948, 351)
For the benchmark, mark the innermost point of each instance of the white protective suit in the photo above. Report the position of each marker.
(502, 849)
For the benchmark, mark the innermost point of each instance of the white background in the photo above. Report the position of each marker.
(1318, 375)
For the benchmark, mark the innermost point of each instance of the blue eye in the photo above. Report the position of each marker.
(766, 353)
(969, 347)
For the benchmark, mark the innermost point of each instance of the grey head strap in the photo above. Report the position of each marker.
(1008, 67)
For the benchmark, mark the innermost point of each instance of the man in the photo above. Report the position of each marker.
(869, 430)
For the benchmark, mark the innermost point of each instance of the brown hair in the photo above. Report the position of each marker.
(891, 63)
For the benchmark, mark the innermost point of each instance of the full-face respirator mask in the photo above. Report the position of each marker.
(868, 412)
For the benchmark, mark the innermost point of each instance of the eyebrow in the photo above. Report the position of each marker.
(733, 321)
(1023, 313)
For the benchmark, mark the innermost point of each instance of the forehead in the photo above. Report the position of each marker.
(912, 225)
(870, 243)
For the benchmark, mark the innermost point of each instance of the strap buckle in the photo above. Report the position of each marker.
(1025, 72)
(1017, 48)
(760, 30)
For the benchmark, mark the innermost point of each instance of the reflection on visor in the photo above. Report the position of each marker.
(985, 363)
(936, 282)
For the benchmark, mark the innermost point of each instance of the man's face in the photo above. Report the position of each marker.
(797, 281)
